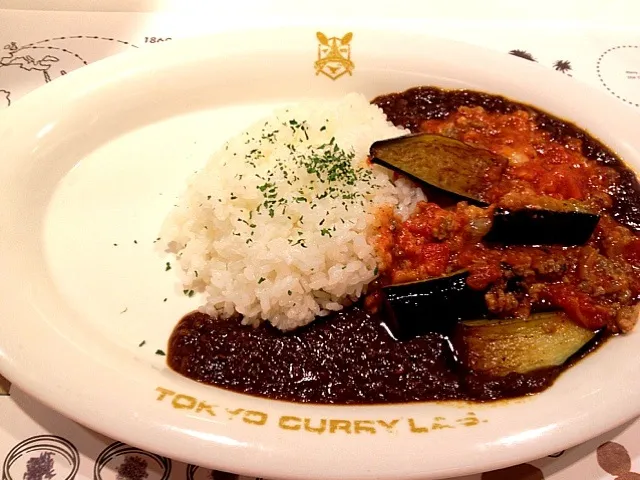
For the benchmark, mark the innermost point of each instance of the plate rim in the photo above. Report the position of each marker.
(145, 59)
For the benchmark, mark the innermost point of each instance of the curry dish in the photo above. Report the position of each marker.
(538, 250)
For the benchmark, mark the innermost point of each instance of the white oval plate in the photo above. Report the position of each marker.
(96, 159)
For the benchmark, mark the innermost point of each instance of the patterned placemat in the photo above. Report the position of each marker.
(40, 46)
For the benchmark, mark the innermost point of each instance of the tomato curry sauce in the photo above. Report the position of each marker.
(351, 358)
(596, 284)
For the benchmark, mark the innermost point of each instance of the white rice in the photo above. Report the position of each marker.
(307, 254)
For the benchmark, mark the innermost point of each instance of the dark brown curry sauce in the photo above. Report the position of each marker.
(350, 358)
(347, 359)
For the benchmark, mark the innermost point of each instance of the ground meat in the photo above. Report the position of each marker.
(596, 284)
(350, 357)
(501, 302)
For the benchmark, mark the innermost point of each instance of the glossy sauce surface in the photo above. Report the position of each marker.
(350, 358)
(347, 359)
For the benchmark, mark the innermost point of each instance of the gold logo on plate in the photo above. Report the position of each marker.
(334, 56)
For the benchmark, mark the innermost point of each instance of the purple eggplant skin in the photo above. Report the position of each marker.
(532, 226)
(449, 167)
(433, 305)
(441, 163)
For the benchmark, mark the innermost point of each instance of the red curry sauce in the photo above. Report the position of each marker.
(350, 358)
(597, 284)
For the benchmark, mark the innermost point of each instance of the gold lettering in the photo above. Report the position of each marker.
(204, 406)
(416, 429)
(163, 393)
(290, 423)
(320, 429)
(470, 421)
(233, 413)
(360, 426)
(335, 425)
(184, 401)
(255, 418)
(440, 426)
(389, 426)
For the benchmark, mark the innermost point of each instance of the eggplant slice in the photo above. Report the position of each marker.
(433, 305)
(501, 347)
(460, 170)
(441, 162)
(531, 226)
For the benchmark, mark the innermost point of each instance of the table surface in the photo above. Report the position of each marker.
(595, 42)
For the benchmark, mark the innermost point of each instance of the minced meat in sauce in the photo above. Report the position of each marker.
(350, 358)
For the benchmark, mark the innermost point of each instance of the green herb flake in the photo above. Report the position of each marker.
(160, 352)
(167, 267)
(262, 279)
(142, 343)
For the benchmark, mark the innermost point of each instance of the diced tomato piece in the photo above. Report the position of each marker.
(427, 220)
(435, 257)
(562, 182)
(518, 258)
(579, 306)
(482, 276)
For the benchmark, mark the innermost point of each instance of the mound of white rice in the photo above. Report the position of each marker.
(275, 226)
